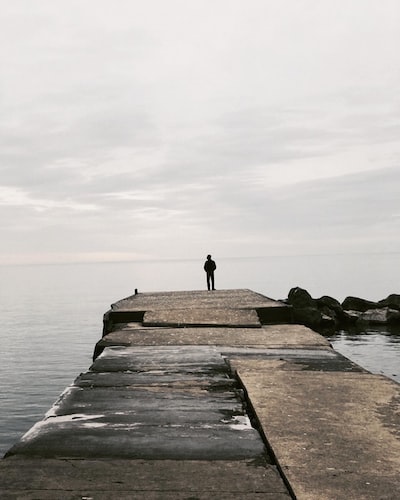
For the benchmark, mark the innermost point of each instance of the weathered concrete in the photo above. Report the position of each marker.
(175, 422)
(340, 437)
(50, 479)
(272, 336)
(237, 318)
(219, 299)
(161, 414)
(298, 359)
(193, 303)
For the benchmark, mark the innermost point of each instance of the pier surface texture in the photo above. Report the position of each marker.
(199, 395)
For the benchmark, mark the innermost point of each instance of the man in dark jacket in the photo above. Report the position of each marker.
(209, 268)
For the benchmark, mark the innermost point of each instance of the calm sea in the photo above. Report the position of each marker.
(52, 315)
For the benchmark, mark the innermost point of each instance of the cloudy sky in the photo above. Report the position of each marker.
(169, 129)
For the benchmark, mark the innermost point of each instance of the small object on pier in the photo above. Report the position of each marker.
(136, 291)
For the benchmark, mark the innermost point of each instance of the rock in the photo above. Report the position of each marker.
(327, 313)
(330, 302)
(392, 301)
(357, 304)
(309, 316)
(327, 322)
(331, 307)
(350, 317)
(299, 298)
(380, 316)
(319, 314)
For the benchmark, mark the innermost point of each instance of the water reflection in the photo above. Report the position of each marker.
(375, 348)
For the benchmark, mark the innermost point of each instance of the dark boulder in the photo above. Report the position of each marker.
(331, 307)
(330, 302)
(318, 314)
(326, 313)
(357, 304)
(392, 301)
(298, 298)
(309, 316)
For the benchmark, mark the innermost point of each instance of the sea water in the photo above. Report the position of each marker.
(52, 315)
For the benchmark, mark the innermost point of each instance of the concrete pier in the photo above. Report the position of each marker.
(193, 395)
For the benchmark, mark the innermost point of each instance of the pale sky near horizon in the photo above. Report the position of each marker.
(173, 129)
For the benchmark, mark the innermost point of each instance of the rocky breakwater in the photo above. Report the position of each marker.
(326, 313)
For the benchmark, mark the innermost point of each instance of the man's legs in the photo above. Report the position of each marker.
(208, 281)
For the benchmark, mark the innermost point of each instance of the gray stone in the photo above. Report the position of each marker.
(380, 316)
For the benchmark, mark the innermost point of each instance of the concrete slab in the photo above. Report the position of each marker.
(139, 479)
(200, 382)
(86, 438)
(163, 360)
(272, 336)
(196, 299)
(182, 420)
(100, 401)
(135, 495)
(295, 359)
(134, 308)
(236, 318)
(335, 435)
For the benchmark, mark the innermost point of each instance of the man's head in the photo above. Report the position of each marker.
(208, 257)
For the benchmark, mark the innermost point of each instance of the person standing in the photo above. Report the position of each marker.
(209, 268)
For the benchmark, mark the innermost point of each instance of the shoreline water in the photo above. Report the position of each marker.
(362, 346)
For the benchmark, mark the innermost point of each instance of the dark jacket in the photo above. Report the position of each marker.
(210, 266)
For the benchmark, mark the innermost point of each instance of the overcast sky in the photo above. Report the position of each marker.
(173, 128)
